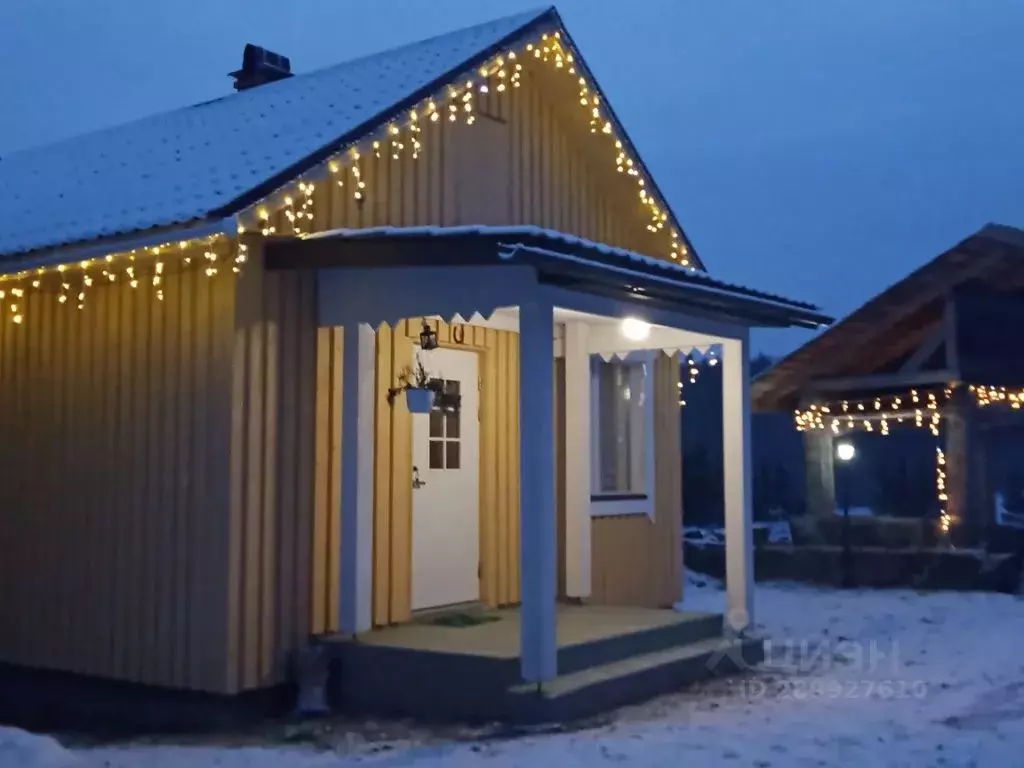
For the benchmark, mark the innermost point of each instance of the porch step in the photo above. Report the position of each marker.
(597, 653)
(478, 679)
(598, 689)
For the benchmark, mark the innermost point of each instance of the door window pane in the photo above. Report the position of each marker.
(436, 423)
(446, 426)
(437, 454)
(451, 421)
(452, 454)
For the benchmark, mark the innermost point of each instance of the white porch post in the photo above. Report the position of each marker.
(537, 556)
(357, 409)
(577, 460)
(739, 538)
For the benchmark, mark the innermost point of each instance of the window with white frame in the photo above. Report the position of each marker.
(622, 435)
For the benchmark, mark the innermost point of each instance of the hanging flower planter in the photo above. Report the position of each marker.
(419, 400)
(420, 388)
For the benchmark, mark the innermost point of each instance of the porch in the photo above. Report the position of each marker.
(568, 309)
(495, 633)
(437, 669)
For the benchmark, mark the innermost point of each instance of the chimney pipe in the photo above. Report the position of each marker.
(260, 66)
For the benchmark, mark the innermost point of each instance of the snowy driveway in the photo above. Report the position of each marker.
(856, 678)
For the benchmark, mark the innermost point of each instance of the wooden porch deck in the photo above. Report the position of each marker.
(607, 656)
(498, 635)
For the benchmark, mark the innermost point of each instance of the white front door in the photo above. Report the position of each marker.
(445, 496)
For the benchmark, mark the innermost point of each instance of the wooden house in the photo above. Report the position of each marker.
(204, 313)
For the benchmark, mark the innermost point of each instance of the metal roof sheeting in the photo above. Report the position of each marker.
(186, 164)
(533, 238)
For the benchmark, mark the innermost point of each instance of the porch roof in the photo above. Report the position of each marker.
(559, 259)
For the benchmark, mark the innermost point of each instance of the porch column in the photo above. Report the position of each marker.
(577, 460)
(357, 409)
(537, 555)
(739, 514)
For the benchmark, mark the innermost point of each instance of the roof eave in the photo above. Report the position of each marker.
(586, 268)
(600, 277)
(624, 137)
(91, 249)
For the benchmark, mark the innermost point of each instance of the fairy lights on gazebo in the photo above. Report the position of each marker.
(918, 408)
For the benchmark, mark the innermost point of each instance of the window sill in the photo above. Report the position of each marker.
(624, 505)
(602, 497)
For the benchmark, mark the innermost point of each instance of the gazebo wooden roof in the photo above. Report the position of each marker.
(954, 319)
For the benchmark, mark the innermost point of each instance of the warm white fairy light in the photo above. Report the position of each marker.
(266, 227)
(693, 371)
(86, 282)
(846, 415)
(467, 103)
(296, 202)
(396, 145)
(991, 395)
(211, 261)
(241, 256)
(414, 131)
(946, 520)
(357, 176)
(304, 215)
(71, 283)
(457, 101)
(923, 407)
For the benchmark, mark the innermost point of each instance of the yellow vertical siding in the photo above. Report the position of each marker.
(529, 158)
(113, 462)
(499, 500)
(392, 471)
(277, 482)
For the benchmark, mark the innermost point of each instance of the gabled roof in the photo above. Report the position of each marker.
(213, 160)
(893, 323)
(558, 258)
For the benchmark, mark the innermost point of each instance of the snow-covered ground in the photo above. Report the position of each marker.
(860, 678)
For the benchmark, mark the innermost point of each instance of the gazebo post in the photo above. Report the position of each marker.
(820, 481)
(965, 463)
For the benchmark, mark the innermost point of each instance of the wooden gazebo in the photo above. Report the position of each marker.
(942, 350)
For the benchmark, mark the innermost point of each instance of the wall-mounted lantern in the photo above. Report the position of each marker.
(428, 337)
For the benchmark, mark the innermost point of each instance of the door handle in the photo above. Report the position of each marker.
(416, 482)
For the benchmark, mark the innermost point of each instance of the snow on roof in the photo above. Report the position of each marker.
(526, 236)
(193, 162)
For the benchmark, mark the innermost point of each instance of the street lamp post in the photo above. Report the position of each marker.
(845, 453)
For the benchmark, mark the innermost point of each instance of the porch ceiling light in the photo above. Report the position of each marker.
(635, 329)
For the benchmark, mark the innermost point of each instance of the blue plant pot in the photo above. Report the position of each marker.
(419, 400)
